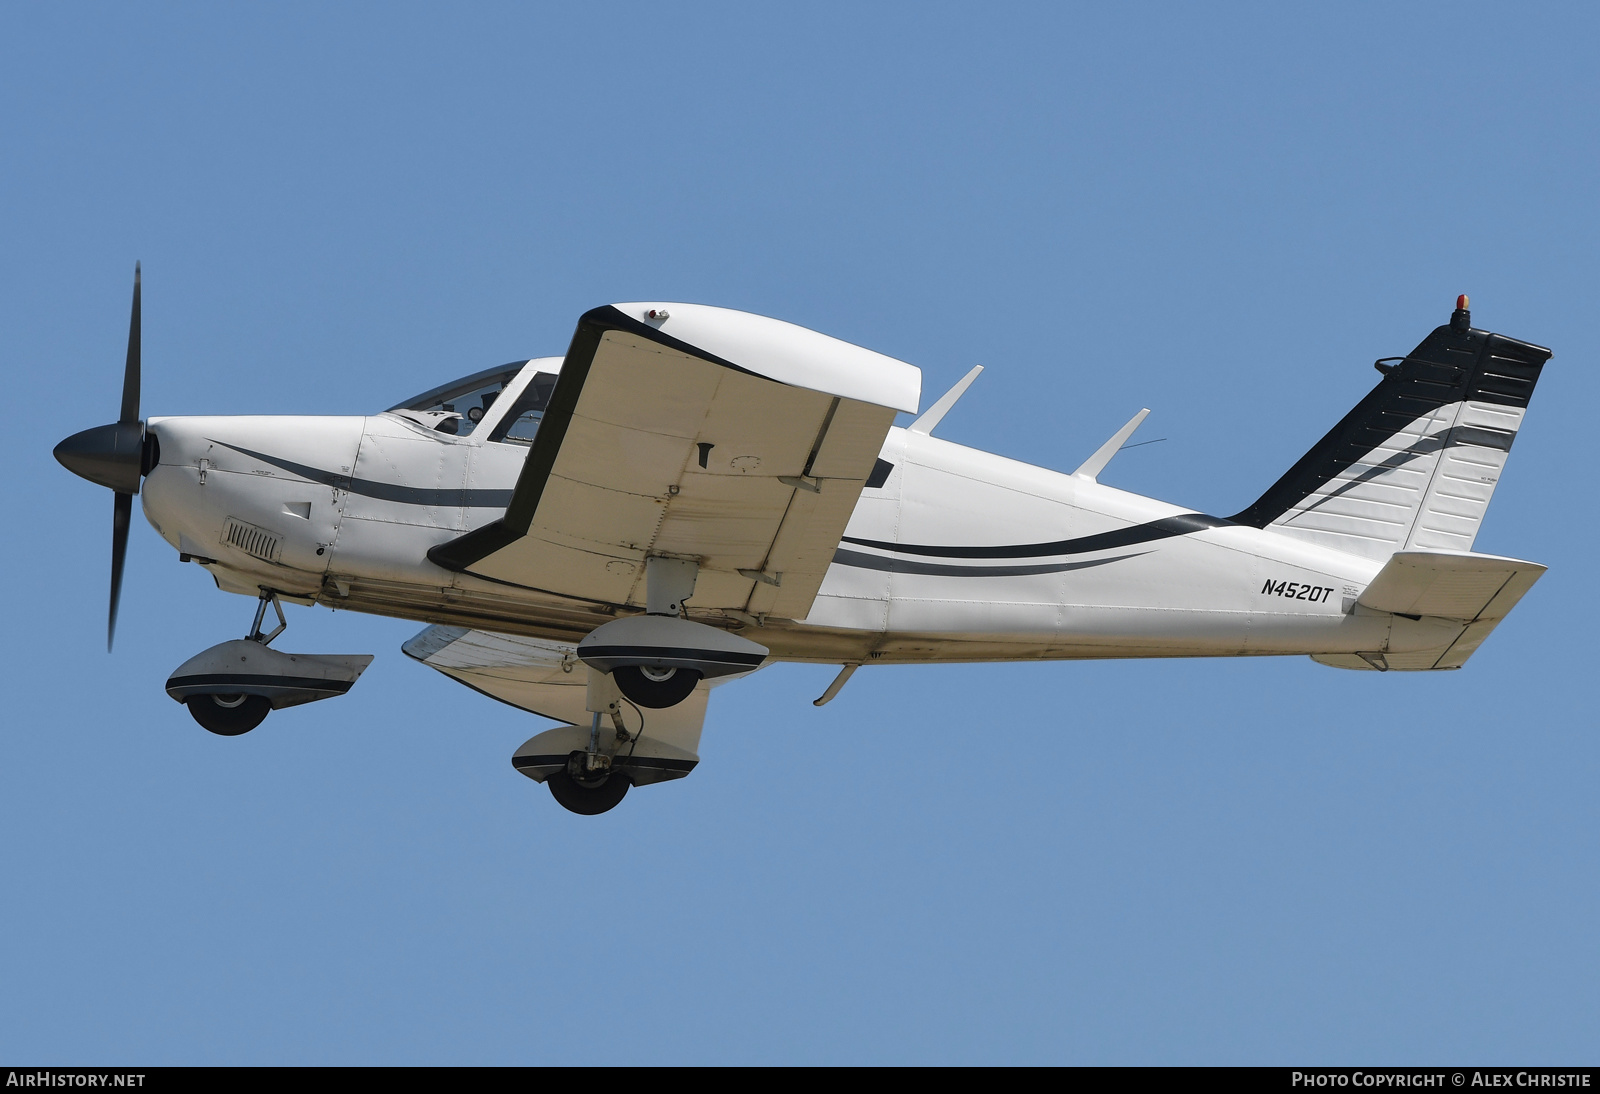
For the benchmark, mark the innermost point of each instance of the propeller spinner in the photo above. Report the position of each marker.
(116, 456)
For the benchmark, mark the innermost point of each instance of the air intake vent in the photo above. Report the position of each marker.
(250, 539)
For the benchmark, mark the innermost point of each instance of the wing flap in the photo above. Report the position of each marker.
(853, 441)
(804, 549)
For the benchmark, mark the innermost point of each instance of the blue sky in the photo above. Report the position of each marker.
(1223, 212)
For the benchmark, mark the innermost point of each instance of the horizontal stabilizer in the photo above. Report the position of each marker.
(1476, 591)
(1450, 585)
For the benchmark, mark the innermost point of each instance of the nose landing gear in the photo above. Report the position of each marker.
(229, 715)
(232, 687)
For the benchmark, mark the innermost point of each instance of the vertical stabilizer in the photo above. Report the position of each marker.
(1415, 464)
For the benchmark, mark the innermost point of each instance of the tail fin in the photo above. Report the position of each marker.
(1414, 465)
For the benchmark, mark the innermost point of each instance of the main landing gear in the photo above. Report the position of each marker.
(589, 785)
(592, 782)
(651, 662)
(654, 687)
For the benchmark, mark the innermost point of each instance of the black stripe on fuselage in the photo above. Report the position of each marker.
(863, 561)
(383, 491)
(1165, 528)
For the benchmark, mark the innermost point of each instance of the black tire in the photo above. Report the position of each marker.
(669, 691)
(229, 715)
(588, 801)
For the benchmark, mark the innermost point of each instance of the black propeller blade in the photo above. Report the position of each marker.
(121, 517)
(130, 373)
(114, 456)
(122, 504)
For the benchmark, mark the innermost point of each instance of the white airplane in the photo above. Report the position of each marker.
(692, 492)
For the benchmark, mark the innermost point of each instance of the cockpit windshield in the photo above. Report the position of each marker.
(470, 396)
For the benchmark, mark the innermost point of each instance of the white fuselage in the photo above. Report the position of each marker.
(960, 555)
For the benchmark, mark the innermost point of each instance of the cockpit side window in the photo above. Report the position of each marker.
(470, 396)
(521, 422)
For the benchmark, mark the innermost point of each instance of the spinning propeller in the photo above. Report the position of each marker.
(116, 456)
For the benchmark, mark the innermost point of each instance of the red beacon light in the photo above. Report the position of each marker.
(1462, 303)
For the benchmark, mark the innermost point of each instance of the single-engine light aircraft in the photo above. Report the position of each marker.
(692, 492)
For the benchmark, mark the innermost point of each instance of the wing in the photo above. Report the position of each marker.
(693, 432)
